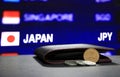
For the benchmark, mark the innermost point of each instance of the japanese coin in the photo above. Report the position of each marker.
(91, 54)
(89, 63)
(70, 62)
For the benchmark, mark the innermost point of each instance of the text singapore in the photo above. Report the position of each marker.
(38, 38)
(48, 17)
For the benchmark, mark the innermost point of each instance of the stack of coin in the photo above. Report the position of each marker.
(79, 62)
(90, 57)
(90, 63)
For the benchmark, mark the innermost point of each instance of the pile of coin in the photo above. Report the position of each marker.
(91, 54)
(79, 62)
(90, 57)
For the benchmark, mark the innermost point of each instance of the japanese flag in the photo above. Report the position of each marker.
(11, 17)
(10, 38)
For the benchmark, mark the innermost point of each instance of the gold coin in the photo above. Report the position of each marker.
(91, 54)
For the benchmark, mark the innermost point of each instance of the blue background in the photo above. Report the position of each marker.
(84, 28)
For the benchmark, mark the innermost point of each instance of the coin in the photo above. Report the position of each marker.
(70, 62)
(80, 62)
(89, 63)
(91, 54)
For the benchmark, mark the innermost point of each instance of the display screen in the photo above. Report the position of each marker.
(28, 24)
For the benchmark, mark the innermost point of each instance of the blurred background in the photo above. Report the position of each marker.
(28, 24)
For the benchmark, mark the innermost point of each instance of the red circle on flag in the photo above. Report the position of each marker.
(10, 38)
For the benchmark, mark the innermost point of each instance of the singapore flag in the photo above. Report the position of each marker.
(10, 38)
(11, 17)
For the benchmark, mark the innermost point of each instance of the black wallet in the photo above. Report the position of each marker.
(57, 54)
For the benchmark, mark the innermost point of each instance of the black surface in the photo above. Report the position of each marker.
(27, 66)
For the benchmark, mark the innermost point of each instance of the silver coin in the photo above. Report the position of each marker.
(70, 62)
(89, 63)
(80, 62)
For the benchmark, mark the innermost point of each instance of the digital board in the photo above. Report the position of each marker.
(28, 24)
